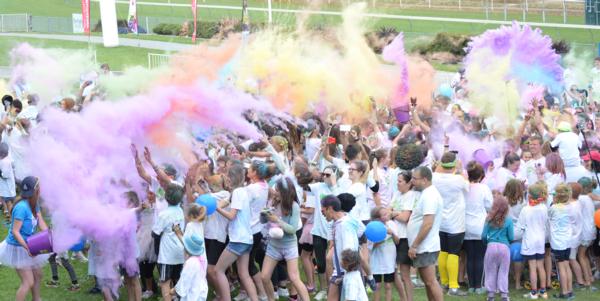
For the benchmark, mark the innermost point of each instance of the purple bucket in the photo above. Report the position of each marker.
(40, 243)
(482, 158)
(402, 113)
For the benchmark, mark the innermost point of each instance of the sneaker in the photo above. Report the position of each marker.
(530, 296)
(445, 288)
(242, 296)
(95, 290)
(593, 288)
(543, 295)
(147, 294)
(283, 292)
(578, 286)
(372, 284)
(456, 292)
(79, 256)
(560, 296)
(480, 291)
(74, 288)
(321, 295)
(52, 283)
(505, 299)
(263, 298)
(597, 275)
(490, 299)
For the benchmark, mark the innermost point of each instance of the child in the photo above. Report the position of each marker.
(575, 219)
(515, 194)
(64, 260)
(192, 286)
(588, 234)
(497, 233)
(560, 236)
(352, 284)
(532, 221)
(384, 253)
(170, 254)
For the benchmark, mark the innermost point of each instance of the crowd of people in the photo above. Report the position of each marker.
(292, 208)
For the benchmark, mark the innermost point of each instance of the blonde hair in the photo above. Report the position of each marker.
(562, 193)
(196, 212)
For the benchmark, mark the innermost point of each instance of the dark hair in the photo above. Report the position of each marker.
(510, 158)
(331, 201)
(352, 151)
(174, 194)
(379, 155)
(335, 170)
(287, 191)
(361, 166)
(132, 198)
(347, 200)
(409, 156)
(17, 105)
(256, 146)
(576, 190)
(260, 168)
(350, 260)
(448, 157)
(475, 172)
(302, 173)
(424, 172)
(236, 175)
(514, 191)
(406, 175)
(499, 211)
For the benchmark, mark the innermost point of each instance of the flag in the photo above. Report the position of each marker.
(132, 21)
(194, 4)
(85, 13)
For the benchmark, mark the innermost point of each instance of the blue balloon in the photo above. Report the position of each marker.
(208, 201)
(78, 246)
(446, 90)
(515, 252)
(376, 231)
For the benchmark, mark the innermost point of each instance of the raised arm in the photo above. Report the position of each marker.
(161, 176)
(138, 165)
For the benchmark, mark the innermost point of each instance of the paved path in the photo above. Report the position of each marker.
(149, 44)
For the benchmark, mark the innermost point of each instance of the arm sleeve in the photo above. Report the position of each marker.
(19, 212)
(294, 219)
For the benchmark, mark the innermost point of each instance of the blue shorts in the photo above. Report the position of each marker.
(533, 257)
(239, 248)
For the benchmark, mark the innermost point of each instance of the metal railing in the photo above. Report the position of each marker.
(14, 23)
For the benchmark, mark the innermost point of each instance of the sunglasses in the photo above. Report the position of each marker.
(325, 175)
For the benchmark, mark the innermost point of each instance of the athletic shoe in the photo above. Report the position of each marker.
(593, 288)
(480, 291)
(242, 296)
(456, 292)
(283, 292)
(490, 299)
(530, 296)
(321, 295)
(471, 290)
(263, 298)
(543, 295)
(597, 275)
(74, 288)
(372, 284)
(95, 290)
(52, 283)
(79, 256)
(147, 294)
(505, 299)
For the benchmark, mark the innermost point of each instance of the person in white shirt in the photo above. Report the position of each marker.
(478, 202)
(537, 159)
(423, 231)
(560, 236)
(452, 186)
(510, 169)
(192, 286)
(514, 192)
(352, 285)
(553, 174)
(533, 220)
(568, 144)
(588, 234)
(576, 221)
(8, 187)
(383, 253)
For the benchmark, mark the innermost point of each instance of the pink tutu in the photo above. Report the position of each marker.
(306, 237)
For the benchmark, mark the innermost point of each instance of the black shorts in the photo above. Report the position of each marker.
(169, 272)
(451, 243)
(534, 257)
(306, 247)
(402, 253)
(561, 255)
(214, 248)
(387, 278)
(363, 238)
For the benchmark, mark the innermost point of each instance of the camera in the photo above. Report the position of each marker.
(264, 215)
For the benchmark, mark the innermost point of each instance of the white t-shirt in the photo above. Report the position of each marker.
(321, 227)
(239, 228)
(576, 221)
(258, 194)
(404, 202)
(312, 147)
(560, 227)
(215, 225)
(7, 178)
(513, 213)
(529, 169)
(429, 203)
(344, 182)
(353, 287)
(171, 249)
(361, 210)
(453, 189)
(588, 233)
(346, 232)
(478, 203)
(532, 221)
(382, 254)
(192, 285)
(568, 144)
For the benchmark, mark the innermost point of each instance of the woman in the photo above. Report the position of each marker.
(509, 170)
(283, 218)
(25, 219)
(402, 204)
(478, 203)
(553, 174)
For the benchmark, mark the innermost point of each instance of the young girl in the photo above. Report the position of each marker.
(192, 286)
(532, 221)
(575, 219)
(514, 193)
(560, 236)
(384, 253)
(497, 233)
(588, 234)
(352, 284)
(286, 216)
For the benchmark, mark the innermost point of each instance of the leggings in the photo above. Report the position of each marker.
(147, 272)
(497, 264)
(66, 264)
(320, 251)
(256, 247)
(475, 253)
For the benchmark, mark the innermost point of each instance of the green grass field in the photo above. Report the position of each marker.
(10, 282)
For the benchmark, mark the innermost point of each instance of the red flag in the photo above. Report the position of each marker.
(194, 14)
(85, 13)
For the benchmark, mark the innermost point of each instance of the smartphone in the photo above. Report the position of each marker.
(345, 128)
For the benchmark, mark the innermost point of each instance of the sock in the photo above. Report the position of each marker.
(452, 268)
(442, 262)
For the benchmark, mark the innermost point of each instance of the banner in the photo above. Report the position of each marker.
(132, 21)
(85, 13)
(77, 23)
(194, 7)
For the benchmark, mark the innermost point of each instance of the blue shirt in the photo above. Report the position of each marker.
(503, 235)
(22, 212)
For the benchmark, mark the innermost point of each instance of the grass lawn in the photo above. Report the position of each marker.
(118, 58)
(10, 283)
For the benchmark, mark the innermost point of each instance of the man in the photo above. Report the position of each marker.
(537, 160)
(449, 182)
(345, 233)
(423, 231)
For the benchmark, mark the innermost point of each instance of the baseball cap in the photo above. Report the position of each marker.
(564, 126)
(594, 155)
(28, 186)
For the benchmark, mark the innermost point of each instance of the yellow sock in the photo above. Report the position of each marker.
(442, 261)
(452, 266)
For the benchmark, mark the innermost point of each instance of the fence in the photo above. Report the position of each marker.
(14, 23)
(156, 60)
